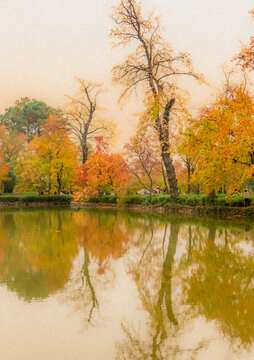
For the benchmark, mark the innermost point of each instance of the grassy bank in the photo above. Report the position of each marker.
(190, 200)
(185, 204)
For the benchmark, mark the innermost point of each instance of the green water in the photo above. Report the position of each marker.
(103, 285)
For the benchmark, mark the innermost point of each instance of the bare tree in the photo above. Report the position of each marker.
(154, 65)
(143, 160)
(81, 116)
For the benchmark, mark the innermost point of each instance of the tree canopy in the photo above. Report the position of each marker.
(221, 140)
(26, 116)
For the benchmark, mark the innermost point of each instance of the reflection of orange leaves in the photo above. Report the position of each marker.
(4, 241)
(104, 236)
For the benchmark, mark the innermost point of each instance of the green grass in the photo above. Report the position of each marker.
(188, 199)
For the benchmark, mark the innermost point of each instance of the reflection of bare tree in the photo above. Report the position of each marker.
(165, 291)
(163, 332)
(103, 238)
(86, 276)
(81, 288)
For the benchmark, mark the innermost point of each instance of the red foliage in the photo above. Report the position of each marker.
(103, 170)
(4, 169)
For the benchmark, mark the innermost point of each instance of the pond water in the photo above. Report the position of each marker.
(103, 285)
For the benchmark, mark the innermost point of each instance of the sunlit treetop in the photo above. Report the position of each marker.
(246, 57)
(221, 141)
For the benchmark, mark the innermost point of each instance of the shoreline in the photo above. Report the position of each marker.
(173, 209)
(169, 208)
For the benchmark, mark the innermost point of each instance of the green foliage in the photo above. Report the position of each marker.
(111, 199)
(11, 182)
(236, 201)
(190, 200)
(26, 116)
(144, 200)
(62, 199)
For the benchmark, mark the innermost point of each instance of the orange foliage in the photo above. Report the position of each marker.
(222, 142)
(11, 145)
(181, 172)
(103, 172)
(4, 169)
(246, 57)
(51, 162)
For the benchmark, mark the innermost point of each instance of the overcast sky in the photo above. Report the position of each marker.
(45, 43)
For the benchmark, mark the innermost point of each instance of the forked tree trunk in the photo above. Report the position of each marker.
(171, 174)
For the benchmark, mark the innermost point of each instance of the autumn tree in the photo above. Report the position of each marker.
(103, 172)
(155, 66)
(51, 161)
(186, 153)
(4, 169)
(11, 144)
(221, 140)
(81, 115)
(144, 161)
(246, 57)
(27, 116)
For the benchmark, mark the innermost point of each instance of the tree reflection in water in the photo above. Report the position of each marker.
(220, 284)
(153, 277)
(183, 269)
(102, 237)
(37, 249)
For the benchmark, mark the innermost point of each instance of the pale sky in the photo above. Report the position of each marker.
(46, 43)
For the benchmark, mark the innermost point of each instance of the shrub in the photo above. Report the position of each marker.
(192, 200)
(62, 199)
(144, 200)
(220, 200)
(109, 199)
(236, 201)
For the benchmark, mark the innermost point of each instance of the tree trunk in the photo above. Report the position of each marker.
(164, 179)
(211, 196)
(59, 186)
(171, 175)
(59, 180)
(84, 152)
(163, 130)
(188, 176)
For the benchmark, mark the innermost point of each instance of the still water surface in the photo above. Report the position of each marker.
(104, 285)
